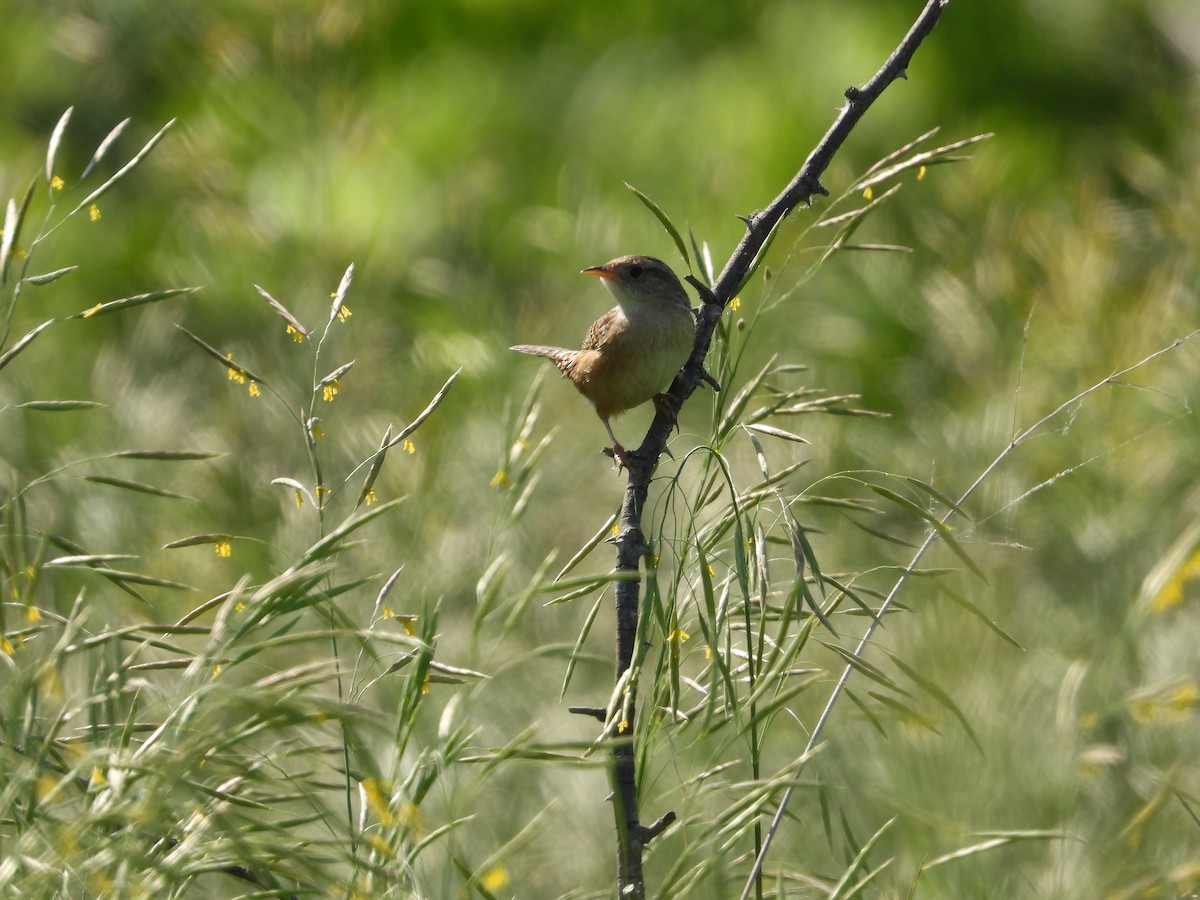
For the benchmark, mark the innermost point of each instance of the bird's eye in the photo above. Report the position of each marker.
(635, 271)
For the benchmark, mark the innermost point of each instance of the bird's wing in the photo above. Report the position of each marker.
(603, 330)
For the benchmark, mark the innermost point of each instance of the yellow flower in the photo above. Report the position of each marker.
(500, 480)
(676, 639)
(409, 446)
(253, 389)
(299, 498)
(344, 313)
(224, 550)
(94, 212)
(380, 845)
(56, 183)
(235, 374)
(921, 174)
(1170, 595)
(735, 304)
(217, 670)
(496, 879)
(371, 497)
(6, 646)
(376, 793)
(317, 432)
(47, 788)
(330, 390)
(425, 684)
(296, 333)
(868, 194)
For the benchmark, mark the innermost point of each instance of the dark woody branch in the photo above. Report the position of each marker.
(630, 543)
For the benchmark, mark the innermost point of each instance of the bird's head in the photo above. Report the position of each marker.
(641, 282)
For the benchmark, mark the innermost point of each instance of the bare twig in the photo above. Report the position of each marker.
(630, 542)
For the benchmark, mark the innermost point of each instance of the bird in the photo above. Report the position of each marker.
(633, 352)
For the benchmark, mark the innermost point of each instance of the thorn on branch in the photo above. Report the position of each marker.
(650, 832)
(705, 292)
(853, 94)
(709, 380)
(596, 712)
(748, 220)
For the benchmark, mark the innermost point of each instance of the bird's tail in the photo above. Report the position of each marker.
(560, 356)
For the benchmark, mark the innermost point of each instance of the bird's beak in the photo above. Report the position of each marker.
(600, 272)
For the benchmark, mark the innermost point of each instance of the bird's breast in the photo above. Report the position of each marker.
(639, 358)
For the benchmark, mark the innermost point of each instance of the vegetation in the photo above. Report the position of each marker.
(297, 588)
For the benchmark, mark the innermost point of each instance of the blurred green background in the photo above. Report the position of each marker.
(468, 157)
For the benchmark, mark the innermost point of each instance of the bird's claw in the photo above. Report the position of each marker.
(618, 453)
(669, 407)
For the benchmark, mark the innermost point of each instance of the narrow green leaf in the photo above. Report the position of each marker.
(940, 696)
(426, 412)
(868, 712)
(136, 486)
(282, 311)
(123, 171)
(591, 544)
(937, 495)
(999, 840)
(167, 455)
(899, 152)
(8, 355)
(48, 277)
(329, 544)
(58, 405)
(905, 710)
(901, 501)
(336, 374)
(877, 248)
(759, 256)
(944, 533)
(56, 139)
(8, 239)
(87, 559)
(839, 890)
(863, 667)
(220, 357)
(666, 223)
(373, 471)
(979, 614)
(112, 306)
(591, 582)
(779, 433)
(102, 149)
(198, 539)
(343, 288)
(136, 578)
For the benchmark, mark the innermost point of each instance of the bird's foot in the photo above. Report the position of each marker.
(668, 406)
(618, 453)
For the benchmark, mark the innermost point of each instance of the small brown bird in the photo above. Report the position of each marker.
(633, 351)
